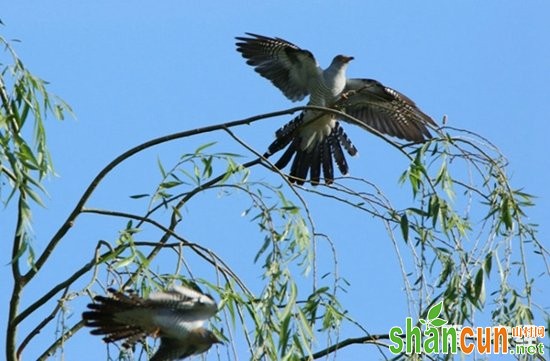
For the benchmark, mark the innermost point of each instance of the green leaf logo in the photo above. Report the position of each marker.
(438, 322)
(435, 311)
(433, 315)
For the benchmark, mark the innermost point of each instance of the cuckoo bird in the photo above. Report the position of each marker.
(315, 138)
(175, 315)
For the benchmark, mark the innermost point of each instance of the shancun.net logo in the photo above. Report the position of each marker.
(437, 337)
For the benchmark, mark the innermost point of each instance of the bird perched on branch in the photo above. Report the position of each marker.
(314, 138)
(175, 315)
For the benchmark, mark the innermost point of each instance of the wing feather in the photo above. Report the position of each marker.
(173, 313)
(386, 110)
(288, 67)
(119, 317)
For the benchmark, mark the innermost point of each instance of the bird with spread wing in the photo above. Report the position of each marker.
(175, 315)
(315, 138)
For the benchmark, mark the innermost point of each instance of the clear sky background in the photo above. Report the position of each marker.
(135, 70)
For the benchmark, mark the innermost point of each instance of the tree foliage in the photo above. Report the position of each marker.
(463, 240)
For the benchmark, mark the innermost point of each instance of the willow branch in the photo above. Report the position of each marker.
(69, 222)
(57, 343)
(345, 343)
(65, 284)
(18, 285)
(40, 326)
(170, 231)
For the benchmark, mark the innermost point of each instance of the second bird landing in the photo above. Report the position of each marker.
(314, 139)
(176, 316)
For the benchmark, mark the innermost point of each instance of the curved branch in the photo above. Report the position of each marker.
(69, 222)
(57, 343)
(170, 230)
(345, 343)
(95, 182)
(66, 283)
(18, 285)
(201, 251)
(40, 326)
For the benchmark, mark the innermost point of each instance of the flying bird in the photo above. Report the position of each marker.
(315, 138)
(175, 315)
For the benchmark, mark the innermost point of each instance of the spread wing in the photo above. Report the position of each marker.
(289, 68)
(120, 317)
(386, 110)
(172, 313)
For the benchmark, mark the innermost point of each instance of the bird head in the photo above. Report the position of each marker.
(212, 338)
(205, 337)
(342, 59)
(201, 340)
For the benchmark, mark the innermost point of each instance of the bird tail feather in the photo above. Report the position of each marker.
(285, 135)
(314, 160)
(102, 317)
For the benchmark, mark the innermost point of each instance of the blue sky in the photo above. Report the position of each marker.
(133, 71)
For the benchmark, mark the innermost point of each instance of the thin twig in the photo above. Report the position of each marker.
(40, 326)
(170, 230)
(55, 345)
(345, 343)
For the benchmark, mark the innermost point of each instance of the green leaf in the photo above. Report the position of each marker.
(207, 171)
(31, 257)
(35, 197)
(488, 263)
(435, 310)
(437, 322)
(161, 168)
(446, 271)
(169, 184)
(479, 287)
(138, 196)
(418, 211)
(404, 223)
(203, 147)
(433, 209)
(20, 251)
(505, 215)
(125, 261)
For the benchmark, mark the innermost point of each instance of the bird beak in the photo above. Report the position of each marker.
(216, 339)
(347, 59)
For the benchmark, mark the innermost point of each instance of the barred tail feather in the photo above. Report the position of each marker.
(326, 159)
(315, 172)
(102, 317)
(285, 135)
(289, 152)
(300, 167)
(318, 159)
(277, 145)
(344, 140)
(290, 127)
(339, 157)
